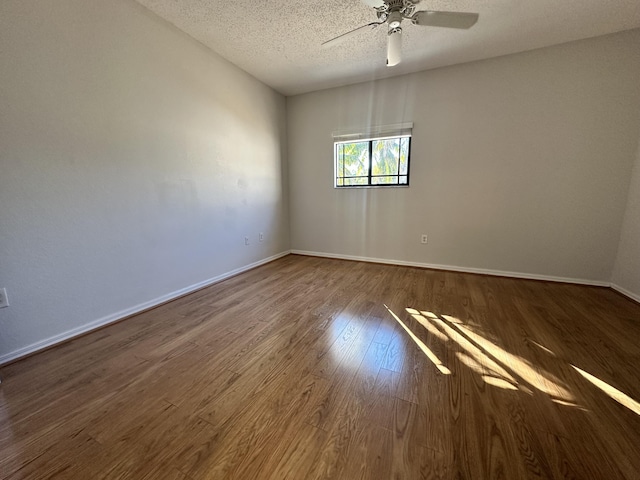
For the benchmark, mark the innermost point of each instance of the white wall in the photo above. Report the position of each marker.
(626, 275)
(133, 163)
(519, 164)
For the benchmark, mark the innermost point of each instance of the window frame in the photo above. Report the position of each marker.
(370, 139)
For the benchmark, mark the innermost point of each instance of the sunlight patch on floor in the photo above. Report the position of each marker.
(477, 354)
(543, 348)
(432, 329)
(520, 366)
(432, 356)
(617, 395)
(496, 366)
(499, 382)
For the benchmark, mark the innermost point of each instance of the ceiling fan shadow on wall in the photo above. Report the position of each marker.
(393, 12)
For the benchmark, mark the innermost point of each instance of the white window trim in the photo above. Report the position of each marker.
(373, 132)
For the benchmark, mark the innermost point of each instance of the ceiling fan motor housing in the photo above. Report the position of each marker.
(404, 9)
(394, 20)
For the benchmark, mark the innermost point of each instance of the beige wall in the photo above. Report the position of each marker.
(519, 163)
(133, 163)
(626, 275)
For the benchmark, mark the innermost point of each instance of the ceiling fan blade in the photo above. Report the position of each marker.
(394, 47)
(430, 18)
(341, 38)
(374, 3)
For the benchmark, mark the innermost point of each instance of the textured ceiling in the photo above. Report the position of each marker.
(279, 41)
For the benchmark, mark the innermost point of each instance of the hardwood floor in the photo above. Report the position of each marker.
(310, 368)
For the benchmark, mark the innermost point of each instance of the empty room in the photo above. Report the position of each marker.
(349, 239)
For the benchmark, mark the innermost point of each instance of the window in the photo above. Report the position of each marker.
(372, 159)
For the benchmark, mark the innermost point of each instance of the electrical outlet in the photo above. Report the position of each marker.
(4, 300)
(261, 236)
(423, 238)
(246, 240)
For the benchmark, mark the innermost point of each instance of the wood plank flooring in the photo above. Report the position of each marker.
(311, 368)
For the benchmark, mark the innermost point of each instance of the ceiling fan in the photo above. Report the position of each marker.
(393, 12)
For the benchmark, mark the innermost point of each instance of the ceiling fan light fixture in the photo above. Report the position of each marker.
(394, 46)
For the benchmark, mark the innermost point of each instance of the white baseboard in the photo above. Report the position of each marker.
(498, 273)
(625, 292)
(114, 317)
